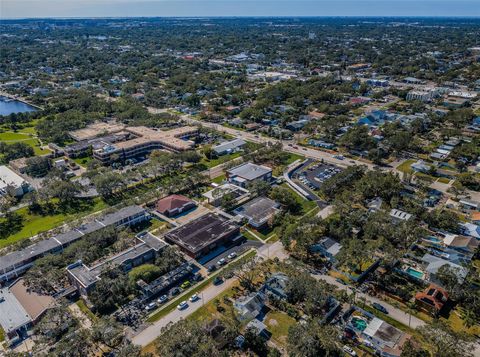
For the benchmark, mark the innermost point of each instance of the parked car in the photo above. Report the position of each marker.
(162, 299)
(151, 306)
(211, 268)
(194, 298)
(175, 291)
(218, 280)
(198, 277)
(185, 284)
(380, 308)
(222, 262)
(232, 255)
(182, 306)
(349, 350)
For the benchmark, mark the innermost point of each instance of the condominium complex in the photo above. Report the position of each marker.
(122, 143)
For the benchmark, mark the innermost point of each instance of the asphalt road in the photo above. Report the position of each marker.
(149, 334)
(394, 312)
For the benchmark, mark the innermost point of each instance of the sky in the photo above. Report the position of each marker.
(206, 8)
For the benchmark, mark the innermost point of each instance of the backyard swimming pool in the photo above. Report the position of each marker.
(415, 273)
(359, 324)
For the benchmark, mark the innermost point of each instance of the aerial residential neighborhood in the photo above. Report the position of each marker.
(239, 186)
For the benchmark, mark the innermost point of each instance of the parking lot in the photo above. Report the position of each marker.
(314, 175)
(223, 252)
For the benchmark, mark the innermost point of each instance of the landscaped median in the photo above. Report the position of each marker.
(157, 315)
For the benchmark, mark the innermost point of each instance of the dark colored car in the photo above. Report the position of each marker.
(211, 268)
(380, 308)
(175, 291)
(218, 280)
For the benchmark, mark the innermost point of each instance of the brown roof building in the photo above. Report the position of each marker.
(432, 299)
(173, 205)
(204, 234)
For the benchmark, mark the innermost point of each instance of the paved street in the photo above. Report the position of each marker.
(394, 312)
(153, 331)
(209, 293)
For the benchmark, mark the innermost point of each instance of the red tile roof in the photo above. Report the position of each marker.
(171, 202)
(434, 296)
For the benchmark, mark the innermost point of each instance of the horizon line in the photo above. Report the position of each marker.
(243, 16)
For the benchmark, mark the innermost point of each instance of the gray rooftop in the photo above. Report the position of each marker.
(258, 210)
(12, 313)
(250, 171)
(229, 145)
(34, 251)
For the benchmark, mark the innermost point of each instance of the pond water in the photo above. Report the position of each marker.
(9, 106)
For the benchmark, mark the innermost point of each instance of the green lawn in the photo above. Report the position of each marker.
(83, 161)
(2, 335)
(278, 324)
(307, 205)
(11, 138)
(34, 224)
(219, 179)
(406, 166)
(81, 305)
(220, 160)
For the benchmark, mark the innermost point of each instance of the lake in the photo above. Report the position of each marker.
(9, 106)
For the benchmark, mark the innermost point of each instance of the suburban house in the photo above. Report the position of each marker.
(259, 328)
(470, 229)
(229, 147)
(249, 307)
(245, 174)
(275, 286)
(432, 299)
(328, 247)
(258, 212)
(469, 205)
(173, 205)
(433, 264)
(384, 338)
(399, 216)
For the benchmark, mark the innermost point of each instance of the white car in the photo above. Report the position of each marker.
(182, 306)
(150, 306)
(162, 299)
(222, 262)
(194, 298)
(349, 350)
(232, 255)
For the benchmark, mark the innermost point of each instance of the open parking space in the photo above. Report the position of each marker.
(315, 174)
(223, 252)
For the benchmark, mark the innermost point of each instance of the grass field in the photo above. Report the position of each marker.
(220, 160)
(34, 224)
(26, 138)
(81, 305)
(307, 205)
(278, 324)
(406, 166)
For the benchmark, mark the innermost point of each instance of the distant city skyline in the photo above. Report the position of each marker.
(16, 9)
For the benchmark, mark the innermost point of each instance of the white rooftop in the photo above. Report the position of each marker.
(9, 178)
(12, 313)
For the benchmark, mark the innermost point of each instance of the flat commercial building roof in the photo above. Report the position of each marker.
(17, 259)
(9, 178)
(249, 171)
(202, 232)
(258, 210)
(95, 130)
